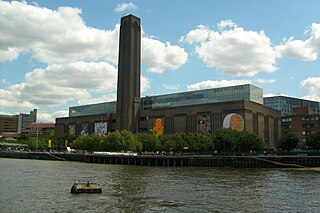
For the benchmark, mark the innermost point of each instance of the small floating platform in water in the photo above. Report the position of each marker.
(86, 188)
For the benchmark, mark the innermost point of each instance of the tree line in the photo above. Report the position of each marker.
(222, 141)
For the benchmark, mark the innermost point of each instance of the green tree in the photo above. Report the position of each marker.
(225, 139)
(130, 142)
(23, 138)
(246, 142)
(150, 143)
(287, 142)
(313, 141)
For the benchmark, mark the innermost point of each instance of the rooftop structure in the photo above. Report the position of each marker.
(286, 104)
(245, 92)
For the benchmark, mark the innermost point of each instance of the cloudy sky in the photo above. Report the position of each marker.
(57, 54)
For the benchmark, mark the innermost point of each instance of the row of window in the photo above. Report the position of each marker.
(308, 132)
(310, 118)
(303, 119)
(305, 126)
(310, 126)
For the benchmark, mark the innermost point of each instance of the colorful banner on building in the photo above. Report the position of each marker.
(72, 129)
(233, 121)
(203, 123)
(84, 129)
(157, 129)
(101, 128)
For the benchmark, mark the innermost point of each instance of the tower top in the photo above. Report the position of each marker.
(130, 17)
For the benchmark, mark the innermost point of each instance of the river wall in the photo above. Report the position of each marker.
(271, 161)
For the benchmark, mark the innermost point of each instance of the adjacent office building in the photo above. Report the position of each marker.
(12, 125)
(302, 123)
(287, 104)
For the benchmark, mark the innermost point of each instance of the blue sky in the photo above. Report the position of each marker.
(57, 54)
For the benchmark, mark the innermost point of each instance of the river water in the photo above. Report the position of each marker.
(44, 186)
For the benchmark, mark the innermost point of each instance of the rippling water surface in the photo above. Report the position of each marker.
(44, 186)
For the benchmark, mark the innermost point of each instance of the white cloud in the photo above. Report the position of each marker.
(57, 84)
(125, 6)
(235, 50)
(196, 36)
(161, 56)
(145, 83)
(46, 117)
(215, 84)
(61, 36)
(53, 36)
(304, 50)
(226, 23)
(9, 53)
(171, 86)
(264, 81)
(313, 87)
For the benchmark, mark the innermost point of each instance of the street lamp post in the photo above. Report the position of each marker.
(37, 136)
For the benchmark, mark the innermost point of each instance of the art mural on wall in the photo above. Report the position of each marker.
(157, 129)
(203, 123)
(101, 128)
(84, 129)
(233, 121)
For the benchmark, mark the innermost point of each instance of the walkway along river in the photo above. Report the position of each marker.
(294, 161)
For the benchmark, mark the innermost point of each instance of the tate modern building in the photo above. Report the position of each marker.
(237, 107)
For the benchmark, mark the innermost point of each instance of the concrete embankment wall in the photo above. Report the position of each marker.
(185, 160)
(210, 161)
(43, 156)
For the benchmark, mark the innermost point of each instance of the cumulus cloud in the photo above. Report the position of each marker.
(313, 87)
(302, 49)
(233, 49)
(57, 84)
(197, 35)
(226, 23)
(61, 36)
(125, 6)
(53, 36)
(215, 84)
(81, 60)
(161, 56)
(51, 117)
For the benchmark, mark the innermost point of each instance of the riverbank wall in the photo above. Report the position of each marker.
(270, 161)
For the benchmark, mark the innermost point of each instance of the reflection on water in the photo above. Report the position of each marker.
(44, 186)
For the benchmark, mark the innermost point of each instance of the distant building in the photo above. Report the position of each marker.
(14, 124)
(286, 104)
(40, 130)
(26, 119)
(301, 123)
(8, 124)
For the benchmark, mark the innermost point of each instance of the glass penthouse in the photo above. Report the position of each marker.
(246, 92)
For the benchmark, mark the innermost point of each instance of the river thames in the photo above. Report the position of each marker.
(44, 186)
